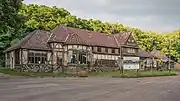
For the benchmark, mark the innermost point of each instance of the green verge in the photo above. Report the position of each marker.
(13, 72)
(135, 74)
(176, 70)
(126, 74)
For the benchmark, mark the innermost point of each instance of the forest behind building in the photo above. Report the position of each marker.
(18, 19)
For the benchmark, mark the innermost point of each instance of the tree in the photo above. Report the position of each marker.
(11, 23)
(44, 17)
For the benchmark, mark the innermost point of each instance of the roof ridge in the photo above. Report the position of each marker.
(50, 36)
(116, 41)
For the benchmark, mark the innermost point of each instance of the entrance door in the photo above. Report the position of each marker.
(59, 58)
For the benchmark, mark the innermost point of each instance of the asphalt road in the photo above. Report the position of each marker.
(90, 89)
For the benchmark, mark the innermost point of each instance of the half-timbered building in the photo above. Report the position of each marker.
(67, 48)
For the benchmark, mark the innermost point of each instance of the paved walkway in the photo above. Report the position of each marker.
(90, 89)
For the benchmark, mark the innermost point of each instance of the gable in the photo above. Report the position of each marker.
(131, 41)
(75, 39)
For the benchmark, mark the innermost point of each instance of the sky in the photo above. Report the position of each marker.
(149, 15)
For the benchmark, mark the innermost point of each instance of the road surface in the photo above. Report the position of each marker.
(90, 89)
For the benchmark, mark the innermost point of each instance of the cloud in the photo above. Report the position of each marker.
(155, 15)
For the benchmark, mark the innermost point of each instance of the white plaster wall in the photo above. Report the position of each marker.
(109, 50)
(116, 50)
(49, 57)
(103, 56)
(58, 45)
(65, 47)
(65, 59)
(76, 47)
(9, 62)
(54, 58)
(24, 56)
(12, 59)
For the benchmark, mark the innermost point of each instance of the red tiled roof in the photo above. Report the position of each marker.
(144, 54)
(34, 40)
(159, 55)
(122, 37)
(38, 39)
(60, 34)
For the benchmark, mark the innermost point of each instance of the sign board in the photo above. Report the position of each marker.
(131, 63)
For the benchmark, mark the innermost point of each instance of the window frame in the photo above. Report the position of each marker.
(113, 51)
(17, 56)
(78, 57)
(99, 49)
(37, 57)
(106, 50)
(131, 50)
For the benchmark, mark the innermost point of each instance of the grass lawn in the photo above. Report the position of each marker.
(176, 70)
(12, 72)
(126, 74)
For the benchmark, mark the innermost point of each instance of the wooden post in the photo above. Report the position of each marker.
(63, 70)
(121, 60)
(52, 60)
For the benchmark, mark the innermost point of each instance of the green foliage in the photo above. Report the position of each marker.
(11, 23)
(12, 27)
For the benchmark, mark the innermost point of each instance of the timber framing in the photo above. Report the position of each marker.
(66, 46)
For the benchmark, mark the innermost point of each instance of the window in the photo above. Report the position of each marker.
(106, 50)
(113, 50)
(82, 58)
(72, 56)
(131, 50)
(99, 49)
(17, 57)
(77, 57)
(92, 48)
(37, 57)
